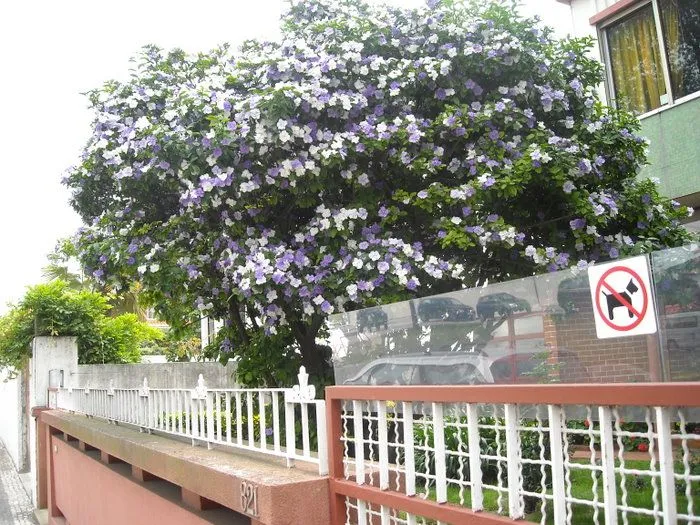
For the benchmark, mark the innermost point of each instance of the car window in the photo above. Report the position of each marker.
(462, 374)
(390, 374)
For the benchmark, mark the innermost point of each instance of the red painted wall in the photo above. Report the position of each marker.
(90, 493)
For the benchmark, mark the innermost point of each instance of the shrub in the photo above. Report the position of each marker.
(53, 309)
(530, 448)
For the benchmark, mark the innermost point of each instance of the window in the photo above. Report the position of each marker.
(459, 374)
(653, 54)
(389, 374)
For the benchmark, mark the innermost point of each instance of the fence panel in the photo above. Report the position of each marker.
(561, 454)
(250, 419)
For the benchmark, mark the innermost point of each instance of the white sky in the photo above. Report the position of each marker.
(50, 53)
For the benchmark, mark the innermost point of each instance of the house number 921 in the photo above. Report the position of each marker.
(249, 498)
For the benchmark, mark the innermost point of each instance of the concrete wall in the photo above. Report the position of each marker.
(159, 375)
(90, 492)
(97, 473)
(48, 354)
(10, 430)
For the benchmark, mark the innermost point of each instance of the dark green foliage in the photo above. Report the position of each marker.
(493, 443)
(54, 309)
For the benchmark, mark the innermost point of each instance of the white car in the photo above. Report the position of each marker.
(451, 368)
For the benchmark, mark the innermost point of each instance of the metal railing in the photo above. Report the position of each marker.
(258, 420)
(491, 454)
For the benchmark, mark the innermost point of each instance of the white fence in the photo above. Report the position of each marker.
(284, 422)
(551, 454)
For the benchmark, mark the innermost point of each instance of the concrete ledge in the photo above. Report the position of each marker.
(214, 475)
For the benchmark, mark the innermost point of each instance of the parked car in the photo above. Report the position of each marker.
(372, 319)
(502, 303)
(532, 367)
(452, 368)
(444, 309)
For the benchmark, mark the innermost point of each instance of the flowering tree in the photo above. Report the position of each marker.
(371, 153)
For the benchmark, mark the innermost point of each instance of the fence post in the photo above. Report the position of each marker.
(321, 437)
(440, 465)
(210, 418)
(556, 447)
(144, 394)
(110, 401)
(290, 435)
(474, 444)
(383, 439)
(513, 461)
(607, 455)
(198, 394)
(85, 401)
(409, 452)
(668, 481)
(302, 393)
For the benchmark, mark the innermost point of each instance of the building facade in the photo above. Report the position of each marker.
(651, 53)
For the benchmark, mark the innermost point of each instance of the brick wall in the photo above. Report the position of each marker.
(583, 358)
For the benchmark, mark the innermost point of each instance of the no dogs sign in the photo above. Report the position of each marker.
(622, 300)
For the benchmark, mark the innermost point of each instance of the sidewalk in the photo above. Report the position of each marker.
(15, 505)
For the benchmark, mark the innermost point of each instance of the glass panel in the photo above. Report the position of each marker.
(681, 29)
(539, 329)
(635, 60)
(677, 278)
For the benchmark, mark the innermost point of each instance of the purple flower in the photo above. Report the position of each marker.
(577, 224)
(412, 284)
(614, 253)
(383, 212)
(422, 194)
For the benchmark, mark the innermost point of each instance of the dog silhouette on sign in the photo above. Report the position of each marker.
(614, 302)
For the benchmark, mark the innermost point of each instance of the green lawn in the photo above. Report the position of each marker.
(639, 494)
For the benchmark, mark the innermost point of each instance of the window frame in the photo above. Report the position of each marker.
(602, 30)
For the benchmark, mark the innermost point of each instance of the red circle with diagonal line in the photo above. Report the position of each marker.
(639, 315)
